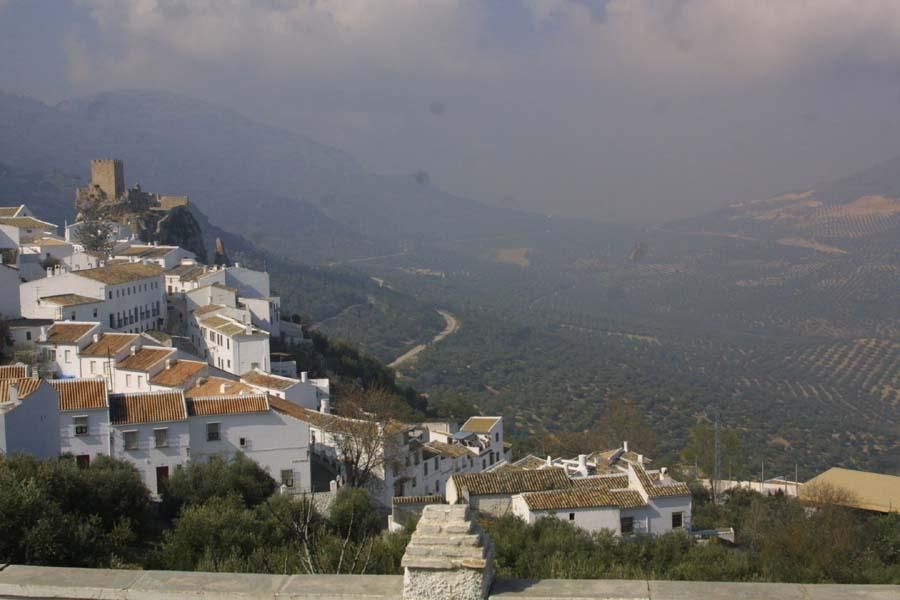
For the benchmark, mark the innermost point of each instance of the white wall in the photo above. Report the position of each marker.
(94, 443)
(589, 519)
(248, 282)
(9, 236)
(265, 313)
(146, 458)
(274, 441)
(9, 292)
(32, 427)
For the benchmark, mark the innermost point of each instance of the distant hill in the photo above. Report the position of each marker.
(286, 193)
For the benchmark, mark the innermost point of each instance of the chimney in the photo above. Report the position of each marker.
(325, 406)
(549, 461)
(44, 332)
(663, 471)
(222, 388)
(582, 465)
(133, 350)
(13, 392)
(640, 459)
(168, 364)
(332, 486)
(248, 330)
(49, 271)
(625, 446)
(237, 265)
(96, 337)
(303, 376)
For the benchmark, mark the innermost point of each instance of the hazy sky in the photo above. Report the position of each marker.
(609, 108)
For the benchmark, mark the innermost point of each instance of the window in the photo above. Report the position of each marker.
(130, 440)
(229, 363)
(28, 335)
(83, 461)
(414, 482)
(243, 442)
(212, 432)
(571, 516)
(161, 437)
(127, 380)
(287, 478)
(81, 425)
(497, 436)
(437, 487)
(95, 313)
(227, 343)
(93, 367)
(436, 462)
(426, 467)
(483, 464)
(67, 353)
(140, 380)
(110, 295)
(677, 520)
(626, 525)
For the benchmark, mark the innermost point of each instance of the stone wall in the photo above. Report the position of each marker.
(51, 582)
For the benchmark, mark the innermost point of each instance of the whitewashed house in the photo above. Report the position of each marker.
(151, 431)
(125, 297)
(636, 503)
(165, 257)
(133, 372)
(63, 343)
(9, 291)
(225, 425)
(83, 419)
(299, 391)
(29, 418)
(99, 358)
(232, 346)
(20, 229)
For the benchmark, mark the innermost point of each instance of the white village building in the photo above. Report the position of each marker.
(29, 418)
(127, 297)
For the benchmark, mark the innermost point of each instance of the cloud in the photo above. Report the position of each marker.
(580, 103)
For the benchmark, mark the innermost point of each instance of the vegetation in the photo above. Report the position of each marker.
(95, 232)
(777, 540)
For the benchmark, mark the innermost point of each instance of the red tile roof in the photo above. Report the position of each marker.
(227, 405)
(80, 394)
(147, 407)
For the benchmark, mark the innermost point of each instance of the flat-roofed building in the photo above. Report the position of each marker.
(863, 490)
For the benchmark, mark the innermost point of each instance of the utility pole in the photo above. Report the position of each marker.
(716, 474)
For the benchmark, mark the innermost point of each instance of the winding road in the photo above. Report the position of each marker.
(451, 326)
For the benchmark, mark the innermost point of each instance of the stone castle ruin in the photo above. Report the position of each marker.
(152, 217)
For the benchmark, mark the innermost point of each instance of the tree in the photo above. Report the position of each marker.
(368, 434)
(625, 421)
(94, 232)
(700, 449)
(217, 478)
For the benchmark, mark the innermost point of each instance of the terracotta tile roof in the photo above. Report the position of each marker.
(27, 386)
(267, 380)
(212, 386)
(511, 481)
(70, 299)
(453, 450)
(10, 211)
(312, 417)
(109, 344)
(144, 358)
(141, 251)
(582, 498)
(120, 273)
(661, 488)
(479, 424)
(147, 407)
(227, 405)
(68, 333)
(13, 371)
(529, 462)
(418, 500)
(186, 272)
(80, 394)
(209, 308)
(26, 223)
(179, 373)
(50, 241)
(603, 483)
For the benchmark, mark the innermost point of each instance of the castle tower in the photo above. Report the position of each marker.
(109, 176)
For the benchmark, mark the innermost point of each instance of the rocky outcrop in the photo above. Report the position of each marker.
(178, 227)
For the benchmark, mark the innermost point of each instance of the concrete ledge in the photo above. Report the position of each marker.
(18, 582)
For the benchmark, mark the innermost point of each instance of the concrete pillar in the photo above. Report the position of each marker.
(448, 557)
